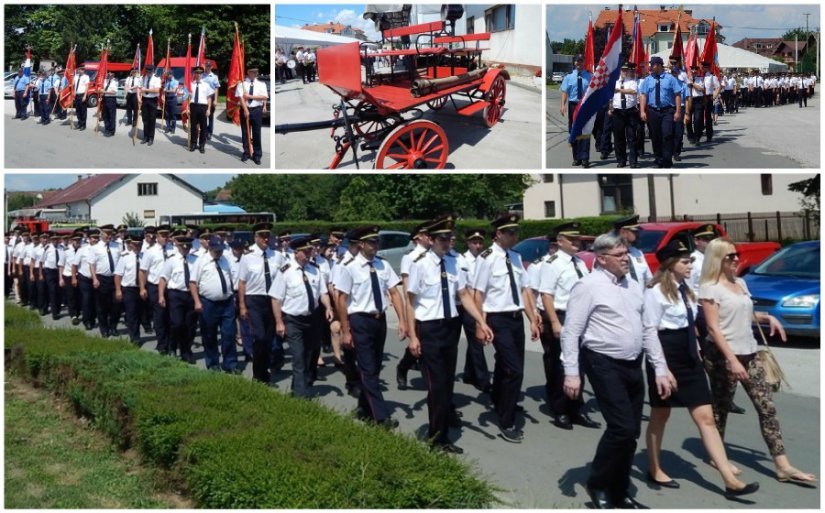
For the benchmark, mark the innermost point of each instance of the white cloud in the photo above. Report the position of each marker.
(350, 17)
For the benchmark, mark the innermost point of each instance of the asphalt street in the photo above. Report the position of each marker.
(549, 468)
(513, 143)
(770, 138)
(56, 145)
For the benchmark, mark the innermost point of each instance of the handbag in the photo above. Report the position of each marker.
(773, 372)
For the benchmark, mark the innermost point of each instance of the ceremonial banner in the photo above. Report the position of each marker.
(588, 48)
(67, 93)
(236, 75)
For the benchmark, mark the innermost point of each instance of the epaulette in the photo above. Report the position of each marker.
(284, 267)
(349, 261)
(486, 253)
(379, 257)
(410, 251)
(312, 262)
(465, 269)
(552, 258)
(419, 257)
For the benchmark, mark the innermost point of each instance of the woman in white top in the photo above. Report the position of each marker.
(670, 309)
(729, 314)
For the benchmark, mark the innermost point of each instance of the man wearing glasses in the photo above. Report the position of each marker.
(604, 328)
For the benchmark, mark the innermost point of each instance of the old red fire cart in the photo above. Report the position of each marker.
(383, 91)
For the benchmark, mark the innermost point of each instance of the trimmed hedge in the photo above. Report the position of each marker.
(235, 443)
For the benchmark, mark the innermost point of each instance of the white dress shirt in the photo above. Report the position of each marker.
(66, 259)
(174, 274)
(81, 260)
(639, 263)
(81, 83)
(663, 314)
(257, 88)
(629, 98)
(37, 255)
(558, 275)
(696, 271)
(100, 259)
(151, 82)
(408, 258)
(251, 270)
(425, 282)
(203, 90)
(354, 280)
(127, 269)
(205, 275)
(492, 278)
(289, 288)
(153, 259)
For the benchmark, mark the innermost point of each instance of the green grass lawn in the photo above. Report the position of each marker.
(53, 461)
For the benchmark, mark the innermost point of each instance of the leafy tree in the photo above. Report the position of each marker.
(568, 46)
(359, 201)
(810, 196)
(133, 220)
(18, 200)
(798, 32)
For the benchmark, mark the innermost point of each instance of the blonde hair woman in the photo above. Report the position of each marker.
(670, 308)
(731, 357)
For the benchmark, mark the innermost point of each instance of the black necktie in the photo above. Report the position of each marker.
(445, 291)
(251, 88)
(579, 88)
(310, 297)
(691, 324)
(111, 260)
(220, 275)
(624, 101)
(185, 273)
(137, 266)
(658, 98)
(108, 82)
(633, 270)
(197, 89)
(267, 276)
(376, 289)
(513, 288)
(578, 271)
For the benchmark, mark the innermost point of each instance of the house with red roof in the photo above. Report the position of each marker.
(108, 198)
(337, 29)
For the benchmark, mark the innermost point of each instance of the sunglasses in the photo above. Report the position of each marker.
(732, 256)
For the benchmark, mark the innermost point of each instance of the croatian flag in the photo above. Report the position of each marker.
(601, 86)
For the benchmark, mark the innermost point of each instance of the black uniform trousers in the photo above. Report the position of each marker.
(131, 108)
(110, 113)
(198, 125)
(42, 293)
(132, 307)
(23, 286)
(149, 109)
(71, 296)
(45, 107)
(625, 124)
(407, 361)
(34, 287)
(20, 104)
(87, 301)
(183, 321)
(8, 282)
(262, 322)
(476, 371)
(80, 110)
(211, 115)
(255, 119)
(708, 117)
(660, 124)
(160, 318)
(52, 291)
(508, 373)
(803, 96)
(557, 400)
(679, 133)
(369, 332)
(619, 387)
(170, 107)
(303, 334)
(698, 117)
(108, 311)
(757, 97)
(581, 147)
(439, 352)
(605, 136)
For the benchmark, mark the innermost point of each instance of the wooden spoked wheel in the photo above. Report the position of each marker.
(495, 101)
(437, 103)
(370, 129)
(420, 144)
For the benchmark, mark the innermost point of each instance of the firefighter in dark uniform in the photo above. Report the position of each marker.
(660, 107)
(103, 259)
(127, 289)
(174, 281)
(476, 371)
(151, 266)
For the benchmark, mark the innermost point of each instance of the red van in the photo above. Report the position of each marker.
(121, 71)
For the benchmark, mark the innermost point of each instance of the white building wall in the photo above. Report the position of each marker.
(694, 194)
(172, 198)
(79, 209)
(522, 45)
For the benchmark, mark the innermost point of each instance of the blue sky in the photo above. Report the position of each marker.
(36, 182)
(738, 21)
(348, 14)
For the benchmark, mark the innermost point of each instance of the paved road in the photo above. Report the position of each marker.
(513, 143)
(548, 470)
(30, 145)
(773, 138)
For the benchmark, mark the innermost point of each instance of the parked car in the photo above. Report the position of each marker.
(120, 69)
(787, 286)
(8, 84)
(535, 248)
(557, 76)
(392, 246)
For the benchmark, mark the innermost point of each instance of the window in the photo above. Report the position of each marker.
(767, 185)
(702, 29)
(148, 214)
(547, 178)
(500, 18)
(664, 27)
(616, 193)
(471, 22)
(147, 189)
(549, 209)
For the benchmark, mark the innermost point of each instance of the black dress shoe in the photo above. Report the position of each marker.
(453, 420)
(244, 157)
(202, 150)
(257, 162)
(585, 164)
(599, 498)
(388, 423)
(512, 434)
(449, 448)
(75, 321)
(665, 484)
(192, 148)
(577, 163)
(635, 165)
(144, 141)
(604, 155)
(401, 378)
(749, 488)
(563, 422)
(630, 503)
(585, 421)
(677, 158)
(151, 142)
(621, 164)
(354, 391)
(734, 408)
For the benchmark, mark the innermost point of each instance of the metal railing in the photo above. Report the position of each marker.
(759, 226)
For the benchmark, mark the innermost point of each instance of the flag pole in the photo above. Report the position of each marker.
(189, 110)
(163, 93)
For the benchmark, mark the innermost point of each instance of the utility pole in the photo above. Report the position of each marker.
(807, 33)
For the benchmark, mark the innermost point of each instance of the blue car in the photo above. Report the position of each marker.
(786, 285)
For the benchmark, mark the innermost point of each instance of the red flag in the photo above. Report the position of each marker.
(100, 78)
(710, 52)
(150, 51)
(187, 81)
(637, 52)
(136, 60)
(678, 46)
(236, 76)
(691, 55)
(589, 58)
(201, 48)
(67, 93)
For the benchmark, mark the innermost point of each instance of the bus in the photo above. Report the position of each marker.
(233, 218)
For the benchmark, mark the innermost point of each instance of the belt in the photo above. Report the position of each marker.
(370, 315)
(516, 314)
(438, 321)
(661, 109)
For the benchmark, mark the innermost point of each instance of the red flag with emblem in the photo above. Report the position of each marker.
(710, 53)
(589, 58)
(67, 93)
(677, 52)
(100, 78)
(236, 75)
(150, 52)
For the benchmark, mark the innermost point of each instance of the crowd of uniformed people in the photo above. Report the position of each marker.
(691, 320)
(672, 103)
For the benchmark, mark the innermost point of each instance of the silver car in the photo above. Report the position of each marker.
(392, 246)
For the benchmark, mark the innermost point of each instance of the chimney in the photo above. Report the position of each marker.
(79, 177)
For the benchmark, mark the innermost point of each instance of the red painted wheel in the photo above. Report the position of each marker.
(495, 101)
(371, 128)
(437, 103)
(420, 144)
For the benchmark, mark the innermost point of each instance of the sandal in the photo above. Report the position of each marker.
(796, 476)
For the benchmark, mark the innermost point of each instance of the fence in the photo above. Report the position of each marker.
(760, 227)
